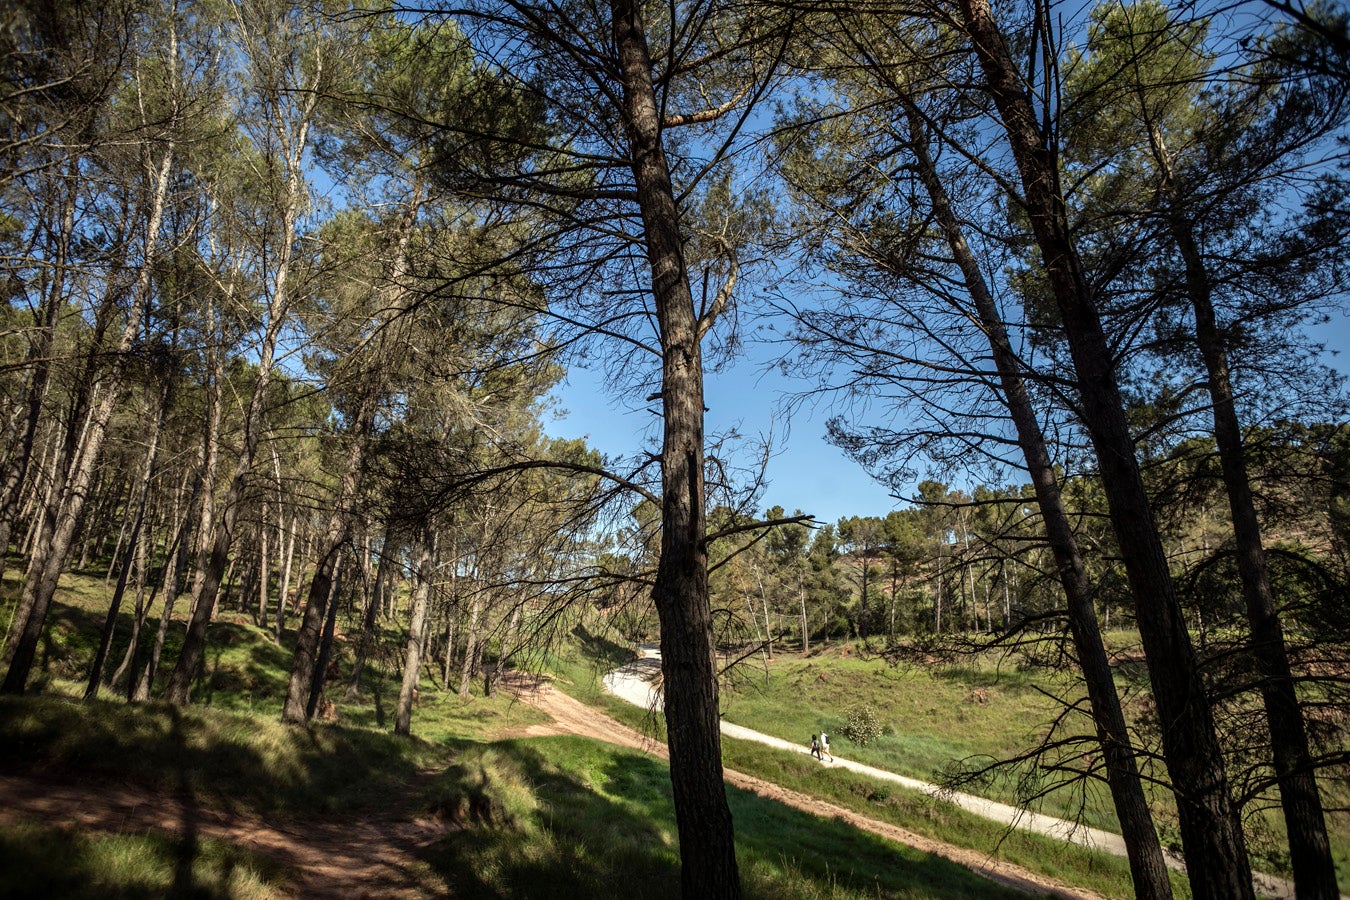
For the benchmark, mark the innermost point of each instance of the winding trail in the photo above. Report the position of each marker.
(637, 683)
(378, 855)
(571, 716)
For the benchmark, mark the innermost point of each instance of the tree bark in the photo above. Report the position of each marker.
(707, 845)
(309, 634)
(285, 588)
(142, 685)
(472, 643)
(194, 642)
(374, 599)
(801, 596)
(417, 632)
(1216, 853)
(133, 544)
(1304, 819)
(50, 558)
(1148, 868)
(39, 357)
(263, 578)
(339, 528)
(320, 678)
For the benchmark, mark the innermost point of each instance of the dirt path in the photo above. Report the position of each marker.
(348, 857)
(378, 856)
(573, 717)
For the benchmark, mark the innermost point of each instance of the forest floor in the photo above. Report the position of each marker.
(338, 856)
(380, 856)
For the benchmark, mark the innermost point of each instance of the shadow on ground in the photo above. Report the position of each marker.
(565, 817)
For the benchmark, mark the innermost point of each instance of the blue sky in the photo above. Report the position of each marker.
(808, 473)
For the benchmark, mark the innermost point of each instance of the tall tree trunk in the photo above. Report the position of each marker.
(707, 844)
(263, 578)
(51, 499)
(806, 638)
(368, 618)
(754, 621)
(36, 496)
(320, 674)
(142, 685)
(194, 642)
(472, 642)
(764, 602)
(1148, 868)
(417, 631)
(339, 528)
(310, 633)
(510, 641)
(133, 544)
(41, 584)
(40, 359)
(937, 602)
(285, 589)
(451, 610)
(1216, 853)
(1304, 819)
(142, 612)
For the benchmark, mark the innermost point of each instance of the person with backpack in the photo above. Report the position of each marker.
(825, 746)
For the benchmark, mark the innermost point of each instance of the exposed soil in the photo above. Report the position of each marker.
(573, 717)
(346, 857)
(379, 856)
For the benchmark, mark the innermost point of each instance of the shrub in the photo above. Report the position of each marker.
(862, 725)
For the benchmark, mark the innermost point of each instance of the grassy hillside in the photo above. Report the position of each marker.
(540, 817)
(887, 802)
(930, 718)
(527, 817)
(934, 717)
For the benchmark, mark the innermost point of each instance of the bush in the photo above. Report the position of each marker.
(862, 725)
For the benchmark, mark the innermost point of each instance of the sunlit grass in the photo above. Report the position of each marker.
(880, 800)
(931, 719)
(40, 861)
(887, 802)
(570, 817)
(565, 817)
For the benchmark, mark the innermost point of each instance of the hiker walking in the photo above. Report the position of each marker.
(825, 745)
(815, 746)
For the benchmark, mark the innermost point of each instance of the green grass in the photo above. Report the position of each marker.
(887, 802)
(245, 671)
(931, 719)
(235, 761)
(39, 861)
(934, 717)
(570, 817)
(806, 695)
(553, 817)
